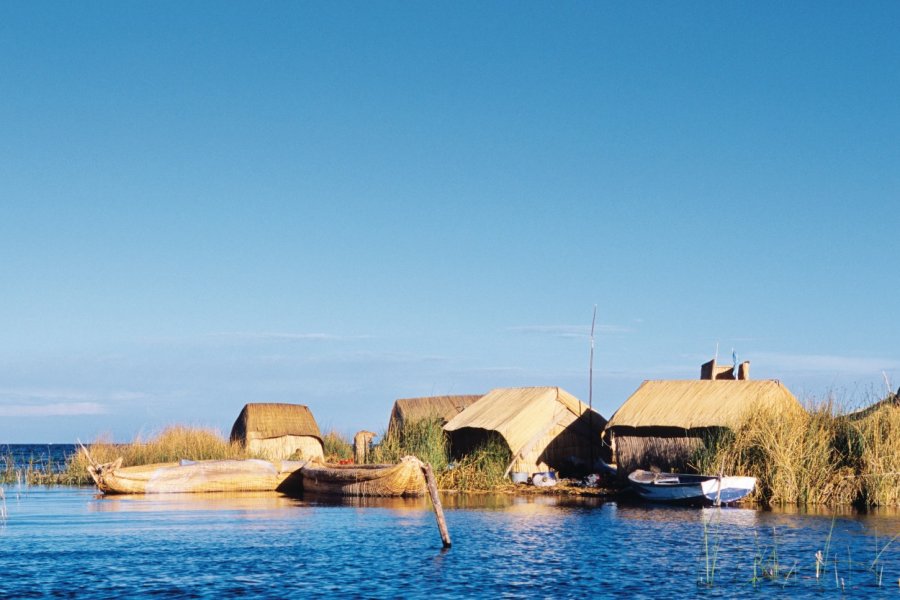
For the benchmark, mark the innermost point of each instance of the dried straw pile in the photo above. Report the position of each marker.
(410, 410)
(278, 431)
(819, 457)
(664, 423)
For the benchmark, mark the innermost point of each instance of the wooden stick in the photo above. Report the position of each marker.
(436, 501)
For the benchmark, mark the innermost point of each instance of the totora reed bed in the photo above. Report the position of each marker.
(820, 457)
(824, 456)
(170, 445)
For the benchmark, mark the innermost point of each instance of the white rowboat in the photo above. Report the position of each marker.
(678, 488)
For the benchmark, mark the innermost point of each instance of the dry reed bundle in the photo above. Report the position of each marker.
(879, 433)
(405, 478)
(817, 457)
(409, 410)
(484, 468)
(424, 438)
(260, 421)
(172, 444)
(335, 447)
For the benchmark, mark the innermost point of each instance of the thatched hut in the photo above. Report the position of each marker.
(409, 410)
(277, 431)
(663, 423)
(892, 400)
(544, 427)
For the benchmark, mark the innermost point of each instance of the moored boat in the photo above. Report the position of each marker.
(679, 488)
(250, 475)
(405, 478)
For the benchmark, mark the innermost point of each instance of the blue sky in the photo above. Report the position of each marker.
(341, 204)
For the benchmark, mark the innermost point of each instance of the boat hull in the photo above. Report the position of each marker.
(405, 478)
(674, 488)
(249, 475)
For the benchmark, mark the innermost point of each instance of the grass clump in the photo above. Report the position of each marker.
(33, 472)
(336, 448)
(424, 439)
(171, 444)
(484, 468)
(817, 456)
(879, 456)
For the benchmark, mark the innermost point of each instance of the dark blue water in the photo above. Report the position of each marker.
(69, 542)
(45, 457)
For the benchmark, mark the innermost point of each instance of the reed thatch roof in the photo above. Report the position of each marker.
(273, 420)
(524, 416)
(408, 410)
(893, 400)
(696, 404)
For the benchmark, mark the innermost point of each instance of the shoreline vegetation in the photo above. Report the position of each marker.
(823, 456)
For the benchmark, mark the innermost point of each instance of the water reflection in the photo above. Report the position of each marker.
(67, 542)
(880, 521)
(400, 504)
(661, 513)
(243, 501)
(504, 501)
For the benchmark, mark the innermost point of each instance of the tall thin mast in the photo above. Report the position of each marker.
(591, 389)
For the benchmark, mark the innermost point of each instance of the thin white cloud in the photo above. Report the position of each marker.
(492, 370)
(361, 357)
(579, 331)
(52, 410)
(50, 395)
(286, 336)
(825, 363)
(44, 395)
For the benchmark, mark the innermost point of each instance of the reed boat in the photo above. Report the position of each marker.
(251, 475)
(405, 478)
(678, 488)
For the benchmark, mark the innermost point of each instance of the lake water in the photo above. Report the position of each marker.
(40, 456)
(66, 542)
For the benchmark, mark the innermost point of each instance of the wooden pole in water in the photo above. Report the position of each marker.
(436, 501)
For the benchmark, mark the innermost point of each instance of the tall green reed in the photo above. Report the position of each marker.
(818, 456)
(423, 438)
(336, 447)
(484, 468)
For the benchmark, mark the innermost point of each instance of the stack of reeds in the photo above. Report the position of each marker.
(822, 456)
(484, 468)
(172, 444)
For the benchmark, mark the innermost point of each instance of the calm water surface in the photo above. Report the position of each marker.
(70, 542)
(45, 457)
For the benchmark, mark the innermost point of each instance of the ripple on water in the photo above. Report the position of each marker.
(68, 542)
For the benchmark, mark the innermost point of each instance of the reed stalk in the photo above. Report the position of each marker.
(423, 438)
(32, 472)
(484, 468)
(819, 456)
(710, 555)
(335, 447)
(170, 445)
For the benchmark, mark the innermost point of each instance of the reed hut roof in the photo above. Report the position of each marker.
(893, 400)
(409, 410)
(522, 415)
(273, 420)
(700, 403)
